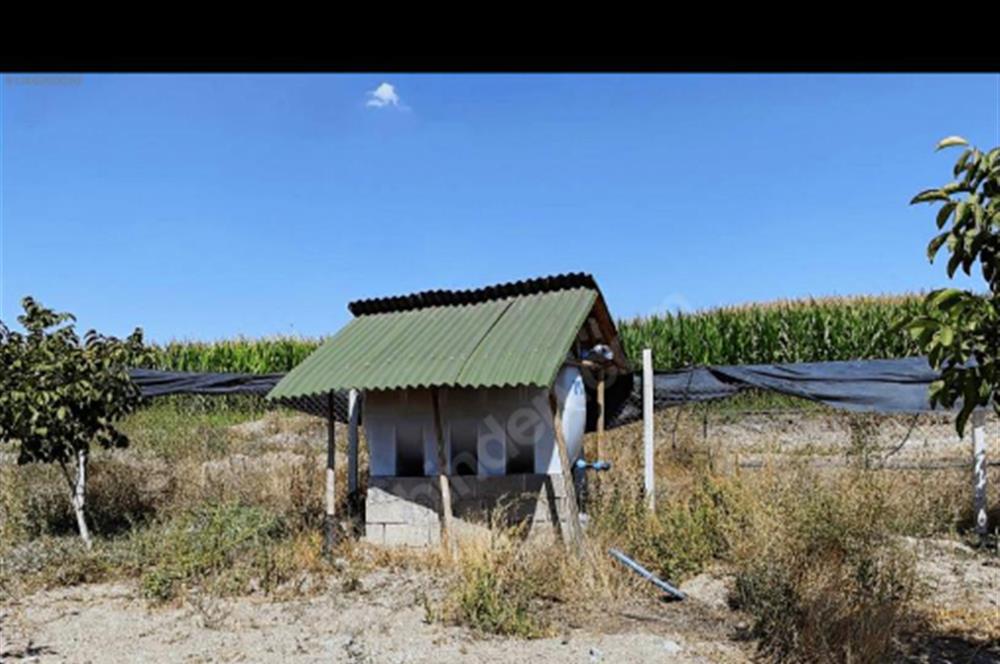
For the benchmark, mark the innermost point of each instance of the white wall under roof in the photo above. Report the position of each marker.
(508, 428)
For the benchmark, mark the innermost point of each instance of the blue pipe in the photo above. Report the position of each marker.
(592, 465)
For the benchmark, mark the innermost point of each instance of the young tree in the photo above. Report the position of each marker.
(960, 330)
(59, 395)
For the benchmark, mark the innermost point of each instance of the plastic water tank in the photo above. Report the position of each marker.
(572, 399)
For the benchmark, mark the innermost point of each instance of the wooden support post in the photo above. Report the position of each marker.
(353, 497)
(353, 417)
(600, 414)
(649, 478)
(330, 520)
(572, 535)
(447, 532)
(979, 513)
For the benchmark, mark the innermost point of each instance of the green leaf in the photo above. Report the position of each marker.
(960, 165)
(954, 262)
(929, 195)
(944, 213)
(935, 388)
(951, 141)
(935, 245)
(940, 299)
(946, 335)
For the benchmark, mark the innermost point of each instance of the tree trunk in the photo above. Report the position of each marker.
(79, 496)
(330, 520)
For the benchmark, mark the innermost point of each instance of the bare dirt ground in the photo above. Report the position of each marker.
(824, 437)
(383, 621)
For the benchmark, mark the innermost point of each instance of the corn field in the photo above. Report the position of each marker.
(814, 330)
(785, 331)
(268, 355)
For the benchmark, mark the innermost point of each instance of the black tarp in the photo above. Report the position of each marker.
(884, 386)
(154, 383)
(887, 386)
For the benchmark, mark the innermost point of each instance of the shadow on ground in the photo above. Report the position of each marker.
(953, 650)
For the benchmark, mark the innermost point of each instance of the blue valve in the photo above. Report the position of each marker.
(593, 465)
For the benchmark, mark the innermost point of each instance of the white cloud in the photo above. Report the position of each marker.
(384, 95)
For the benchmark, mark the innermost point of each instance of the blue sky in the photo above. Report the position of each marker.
(204, 207)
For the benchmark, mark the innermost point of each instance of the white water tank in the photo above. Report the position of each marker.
(572, 399)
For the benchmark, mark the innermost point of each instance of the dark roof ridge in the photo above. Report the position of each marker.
(436, 298)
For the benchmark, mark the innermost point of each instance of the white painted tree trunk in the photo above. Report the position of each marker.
(330, 519)
(981, 520)
(80, 497)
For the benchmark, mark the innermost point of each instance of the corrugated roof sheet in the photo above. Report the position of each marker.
(508, 340)
(434, 298)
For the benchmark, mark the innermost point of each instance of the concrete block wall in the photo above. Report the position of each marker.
(404, 511)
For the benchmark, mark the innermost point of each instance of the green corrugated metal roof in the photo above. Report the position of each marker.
(518, 340)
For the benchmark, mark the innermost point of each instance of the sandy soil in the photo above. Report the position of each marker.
(826, 435)
(383, 622)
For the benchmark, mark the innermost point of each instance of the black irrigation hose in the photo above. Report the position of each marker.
(913, 424)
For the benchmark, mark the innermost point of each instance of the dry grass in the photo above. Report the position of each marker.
(229, 548)
(813, 552)
(817, 567)
(159, 518)
(975, 625)
(816, 555)
(500, 583)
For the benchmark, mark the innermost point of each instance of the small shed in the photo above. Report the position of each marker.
(475, 395)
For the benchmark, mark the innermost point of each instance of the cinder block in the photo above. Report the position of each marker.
(383, 507)
(549, 511)
(399, 534)
(405, 511)
(544, 532)
(422, 490)
(375, 533)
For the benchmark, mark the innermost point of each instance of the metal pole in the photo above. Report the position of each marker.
(600, 414)
(979, 472)
(647, 428)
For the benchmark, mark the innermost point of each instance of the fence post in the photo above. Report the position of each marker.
(330, 522)
(647, 428)
(980, 517)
